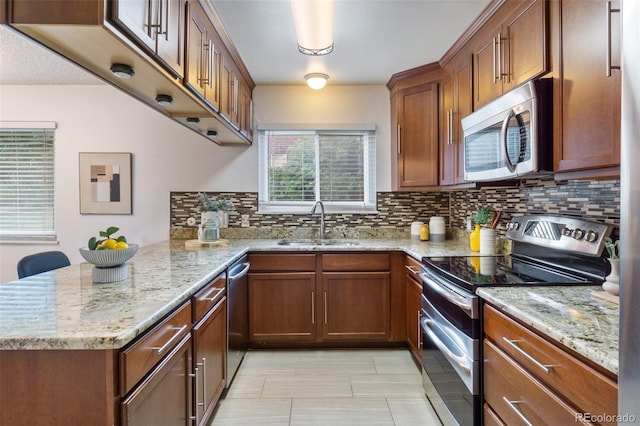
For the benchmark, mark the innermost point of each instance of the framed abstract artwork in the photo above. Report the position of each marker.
(105, 182)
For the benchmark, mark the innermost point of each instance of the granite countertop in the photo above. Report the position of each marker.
(64, 309)
(569, 315)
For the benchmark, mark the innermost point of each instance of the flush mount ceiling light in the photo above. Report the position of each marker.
(122, 70)
(164, 100)
(313, 20)
(316, 80)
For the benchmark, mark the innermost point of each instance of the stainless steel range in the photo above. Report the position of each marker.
(546, 250)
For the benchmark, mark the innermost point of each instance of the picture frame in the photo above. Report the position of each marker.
(105, 182)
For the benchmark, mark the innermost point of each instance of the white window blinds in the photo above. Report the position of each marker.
(301, 167)
(26, 181)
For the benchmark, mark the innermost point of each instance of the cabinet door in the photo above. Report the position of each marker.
(282, 307)
(525, 45)
(204, 51)
(229, 93)
(356, 306)
(414, 310)
(590, 99)
(447, 146)
(463, 107)
(486, 84)
(171, 34)
(209, 352)
(159, 25)
(165, 396)
(418, 137)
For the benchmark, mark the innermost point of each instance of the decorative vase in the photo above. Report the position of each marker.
(612, 282)
(223, 218)
(474, 239)
(209, 229)
(487, 241)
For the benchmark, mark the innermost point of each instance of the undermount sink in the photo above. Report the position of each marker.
(317, 242)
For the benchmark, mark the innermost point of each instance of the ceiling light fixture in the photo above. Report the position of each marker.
(122, 70)
(313, 20)
(164, 100)
(316, 80)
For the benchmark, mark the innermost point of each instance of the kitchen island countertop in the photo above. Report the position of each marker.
(569, 315)
(64, 309)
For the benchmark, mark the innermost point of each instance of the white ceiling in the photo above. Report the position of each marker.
(373, 39)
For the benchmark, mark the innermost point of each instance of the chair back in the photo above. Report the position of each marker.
(41, 262)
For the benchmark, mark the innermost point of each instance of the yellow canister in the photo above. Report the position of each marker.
(424, 232)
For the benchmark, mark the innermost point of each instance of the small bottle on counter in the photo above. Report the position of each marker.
(424, 232)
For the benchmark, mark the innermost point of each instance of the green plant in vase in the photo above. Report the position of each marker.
(612, 282)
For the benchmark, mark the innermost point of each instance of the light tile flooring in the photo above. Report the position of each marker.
(326, 387)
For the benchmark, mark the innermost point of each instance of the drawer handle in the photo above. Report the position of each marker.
(514, 345)
(512, 405)
(211, 299)
(412, 269)
(170, 341)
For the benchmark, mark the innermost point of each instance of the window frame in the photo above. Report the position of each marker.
(40, 236)
(369, 205)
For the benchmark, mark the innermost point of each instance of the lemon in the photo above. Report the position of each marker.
(121, 245)
(109, 243)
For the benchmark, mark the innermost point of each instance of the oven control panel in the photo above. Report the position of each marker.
(560, 232)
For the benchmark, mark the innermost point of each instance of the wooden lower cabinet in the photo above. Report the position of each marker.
(209, 353)
(414, 308)
(528, 375)
(329, 297)
(356, 306)
(282, 306)
(164, 397)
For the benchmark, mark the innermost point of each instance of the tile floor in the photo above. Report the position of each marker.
(326, 387)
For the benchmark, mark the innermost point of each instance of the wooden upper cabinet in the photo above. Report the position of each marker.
(158, 25)
(456, 103)
(589, 145)
(230, 91)
(204, 56)
(414, 128)
(510, 49)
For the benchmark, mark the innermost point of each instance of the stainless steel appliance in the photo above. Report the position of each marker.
(629, 373)
(511, 136)
(546, 250)
(237, 316)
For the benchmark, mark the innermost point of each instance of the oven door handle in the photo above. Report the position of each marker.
(460, 360)
(459, 301)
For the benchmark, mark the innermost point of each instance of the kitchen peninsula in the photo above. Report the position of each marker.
(62, 337)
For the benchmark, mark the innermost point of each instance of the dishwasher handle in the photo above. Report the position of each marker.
(238, 275)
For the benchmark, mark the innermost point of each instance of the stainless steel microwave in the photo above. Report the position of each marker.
(512, 136)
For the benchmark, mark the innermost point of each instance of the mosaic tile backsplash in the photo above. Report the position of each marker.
(594, 200)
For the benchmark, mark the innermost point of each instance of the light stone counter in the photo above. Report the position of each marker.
(569, 315)
(64, 309)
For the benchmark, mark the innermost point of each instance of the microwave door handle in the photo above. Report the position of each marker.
(503, 137)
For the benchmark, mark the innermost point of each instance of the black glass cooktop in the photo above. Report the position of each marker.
(474, 271)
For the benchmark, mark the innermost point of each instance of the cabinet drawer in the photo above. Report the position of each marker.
(207, 298)
(364, 262)
(413, 268)
(283, 262)
(490, 418)
(137, 360)
(514, 394)
(588, 389)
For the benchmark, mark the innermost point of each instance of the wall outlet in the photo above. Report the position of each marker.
(244, 221)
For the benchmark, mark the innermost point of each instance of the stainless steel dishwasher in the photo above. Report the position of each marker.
(237, 316)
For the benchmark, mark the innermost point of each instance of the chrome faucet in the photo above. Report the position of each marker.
(322, 224)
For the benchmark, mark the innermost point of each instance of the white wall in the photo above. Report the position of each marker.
(166, 156)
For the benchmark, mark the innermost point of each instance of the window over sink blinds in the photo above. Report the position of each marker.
(26, 181)
(299, 167)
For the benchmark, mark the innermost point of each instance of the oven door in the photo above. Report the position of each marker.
(451, 351)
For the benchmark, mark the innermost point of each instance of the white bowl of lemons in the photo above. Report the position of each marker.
(109, 251)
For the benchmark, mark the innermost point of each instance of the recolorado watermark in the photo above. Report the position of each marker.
(605, 418)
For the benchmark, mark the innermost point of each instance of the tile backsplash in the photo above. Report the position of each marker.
(594, 200)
